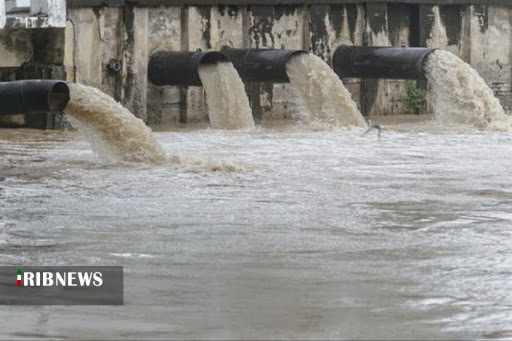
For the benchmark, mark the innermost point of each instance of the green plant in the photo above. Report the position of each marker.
(415, 98)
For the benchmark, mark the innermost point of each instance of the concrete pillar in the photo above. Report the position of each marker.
(69, 52)
(374, 91)
(260, 21)
(288, 31)
(87, 49)
(135, 60)
(198, 30)
(111, 33)
(334, 25)
(166, 104)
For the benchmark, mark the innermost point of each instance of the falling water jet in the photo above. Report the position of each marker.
(112, 130)
(322, 98)
(228, 105)
(460, 96)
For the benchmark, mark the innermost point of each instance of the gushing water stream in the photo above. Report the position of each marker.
(321, 96)
(461, 96)
(228, 105)
(111, 129)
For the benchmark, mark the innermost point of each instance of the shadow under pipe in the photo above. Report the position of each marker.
(261, 65)
(180, 68)
(33, 97)
(380, 62)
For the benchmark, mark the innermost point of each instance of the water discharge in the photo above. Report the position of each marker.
(331, 233)
(461, 96)
(228, 105)
(321, 96)
(112, 130)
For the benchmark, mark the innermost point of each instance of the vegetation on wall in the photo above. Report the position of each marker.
(415, 98)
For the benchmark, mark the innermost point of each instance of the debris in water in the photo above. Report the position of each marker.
(374, 126)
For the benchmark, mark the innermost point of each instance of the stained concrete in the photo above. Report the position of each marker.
(96, 35)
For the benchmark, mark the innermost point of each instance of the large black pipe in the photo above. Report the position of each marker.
(180, 68)
(33, 97)
(261, 65)
(380, 62)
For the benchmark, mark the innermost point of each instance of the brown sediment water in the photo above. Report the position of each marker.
(461, 96)
(112, 130)
(322, 99)
(228, 105)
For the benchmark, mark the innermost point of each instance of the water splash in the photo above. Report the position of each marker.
(112, 130)
(228, 105)
(322, 98)
(461, 96)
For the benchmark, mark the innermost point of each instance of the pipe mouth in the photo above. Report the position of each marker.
(424, 59)
(261, 65)
(380, 62)
(58, 97)
(294, 53)
(213, 57)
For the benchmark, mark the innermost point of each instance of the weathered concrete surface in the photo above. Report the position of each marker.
(69, 52)
(491, 48)
(464, 30)
(15, 47)
(38, 14)
(481, 35)
(288, 33)
(87, 46)
(89, 3)
(111, 32)
(135, 60)
(94, 37)
(331, 26)
(166, 103)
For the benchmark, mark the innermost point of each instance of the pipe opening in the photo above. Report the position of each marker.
(180, 67)
(261, 65)
(380, 62)
(58, 97)
(213, 58)
(33, 97)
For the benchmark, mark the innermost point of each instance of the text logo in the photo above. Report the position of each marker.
(63, 279)
(62, 285)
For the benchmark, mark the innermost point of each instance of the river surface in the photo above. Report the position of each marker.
(308, 234)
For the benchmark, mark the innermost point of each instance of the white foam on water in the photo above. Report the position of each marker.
(461, 96)
(228, 105)
(322, 99)
(112, 130)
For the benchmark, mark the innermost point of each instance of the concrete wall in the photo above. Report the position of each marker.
(481, 35)
(105, 33)
(32, 14)
(129, 34)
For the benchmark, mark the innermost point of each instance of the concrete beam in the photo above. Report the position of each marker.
(158, 3)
